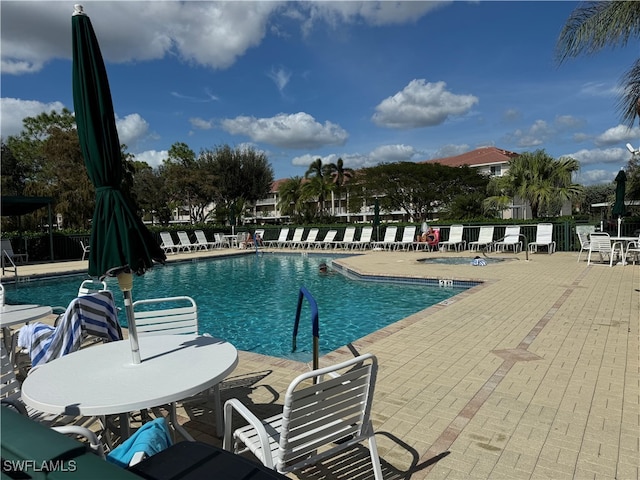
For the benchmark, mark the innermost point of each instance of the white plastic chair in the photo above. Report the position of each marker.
(408, 238)
(365, 239)
(600, 242)
(201, 241)
(282, 239)
(167, 243)
(7, 252)
(297, 238)
(184, 243)
(347, 238)
(583, 233)
(485, 237)
(310, 240)
(85, 249)
(544, 238)
(318, 420)
(511, 240)
(389, 238)
(455, 239)
(633, 248)
(328, 241)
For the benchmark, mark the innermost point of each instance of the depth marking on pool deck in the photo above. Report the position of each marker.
(510, 357)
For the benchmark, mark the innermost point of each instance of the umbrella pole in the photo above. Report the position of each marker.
(125, 281)
(619, 224)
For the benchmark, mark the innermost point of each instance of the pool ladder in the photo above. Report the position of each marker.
(315, 329)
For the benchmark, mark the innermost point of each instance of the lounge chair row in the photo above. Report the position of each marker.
(186, 245)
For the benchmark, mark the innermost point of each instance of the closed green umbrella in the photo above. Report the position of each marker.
(619, 209)
(376, 218)
(120, 243)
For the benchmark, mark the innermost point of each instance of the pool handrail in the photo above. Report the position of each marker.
(315, 327)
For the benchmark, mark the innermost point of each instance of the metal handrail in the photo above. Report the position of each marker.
(315, 328)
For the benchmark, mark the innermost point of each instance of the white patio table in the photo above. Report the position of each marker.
(623, 242)
(103, 380)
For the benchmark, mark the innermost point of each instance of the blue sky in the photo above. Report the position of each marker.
(369, 82)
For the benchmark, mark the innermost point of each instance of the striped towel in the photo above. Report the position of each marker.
(94, 314)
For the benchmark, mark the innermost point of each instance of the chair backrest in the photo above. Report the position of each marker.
(486, 234)
(201, 238)
(259, 233)
(390, 234)
(455, 233)
(408, 234)
(512, 234)
(322, 414)
(297, 234)
(184, 238)
(284, 233)
(584, 239)
(544, 233)
(7, 248)
(91, 286)
(365, 235)
(166, 316)
(330, 236)
(167, 239)
(9, 384)
(349, 234)
(600, 242)
(312, 235)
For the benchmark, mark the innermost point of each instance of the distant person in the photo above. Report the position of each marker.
(478, 262)
(323, 269)
(429, 236)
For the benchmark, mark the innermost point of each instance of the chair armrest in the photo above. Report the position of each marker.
(234, 404)
(16, 405)
(94, 443)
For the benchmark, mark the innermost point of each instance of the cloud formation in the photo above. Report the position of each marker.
(421, 104)
(297, 130)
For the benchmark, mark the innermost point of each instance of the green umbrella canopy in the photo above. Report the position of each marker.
(618, 207)
(376, 218)
(119, 239)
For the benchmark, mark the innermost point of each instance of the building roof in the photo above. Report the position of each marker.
(480, 156)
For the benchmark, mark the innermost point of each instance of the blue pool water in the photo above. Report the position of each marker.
(251, 300)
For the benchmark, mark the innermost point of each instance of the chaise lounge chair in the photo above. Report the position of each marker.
(280, 242)
(365, 239)
(544, 238)
(511, 240)
(455, 239)
(389, 238)
(167, 243)
(485, 238)
(407, 240)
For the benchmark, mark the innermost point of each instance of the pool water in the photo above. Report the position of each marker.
(251, 300)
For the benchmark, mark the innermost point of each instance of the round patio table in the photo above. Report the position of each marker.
(103, 380)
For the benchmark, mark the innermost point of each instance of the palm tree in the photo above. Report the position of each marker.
(340, 176)
(596, 25)
(317, 187)
(537, 178)
(291, 197)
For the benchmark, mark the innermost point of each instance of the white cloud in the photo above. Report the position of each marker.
(617, 135)
(617, 156)
(14, 110)
(421, 104)
(131, 129)
(297, 130)
(201, 124)
(451, 151)
(594, 177)
(381, 154)
(392, 153)
(280, 77)
(152, 157)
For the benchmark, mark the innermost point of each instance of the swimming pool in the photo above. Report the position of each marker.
(251, 300)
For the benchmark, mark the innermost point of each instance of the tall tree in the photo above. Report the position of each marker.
(540, 180)
(318, 185)
(291, 199)
(340, 176)
(593, 26)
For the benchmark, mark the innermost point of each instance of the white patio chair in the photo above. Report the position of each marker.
(600, 242)
(297, 238)
(511, 240)
(221, 241)
(202, 243)
(318, 420)
(282, 239)
(365, 239)
(544, 238)
(184, 242)
(485, 237)
(328, 241)
(85, 249)
(408, 238)
(455, 239)
(583, 232)
(8, 253)
(173, 316)
(347, 238)
(633, 249)
(389, 238)
(167, 243)
(310, 241)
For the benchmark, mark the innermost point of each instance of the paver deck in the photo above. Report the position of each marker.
(534, 374)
